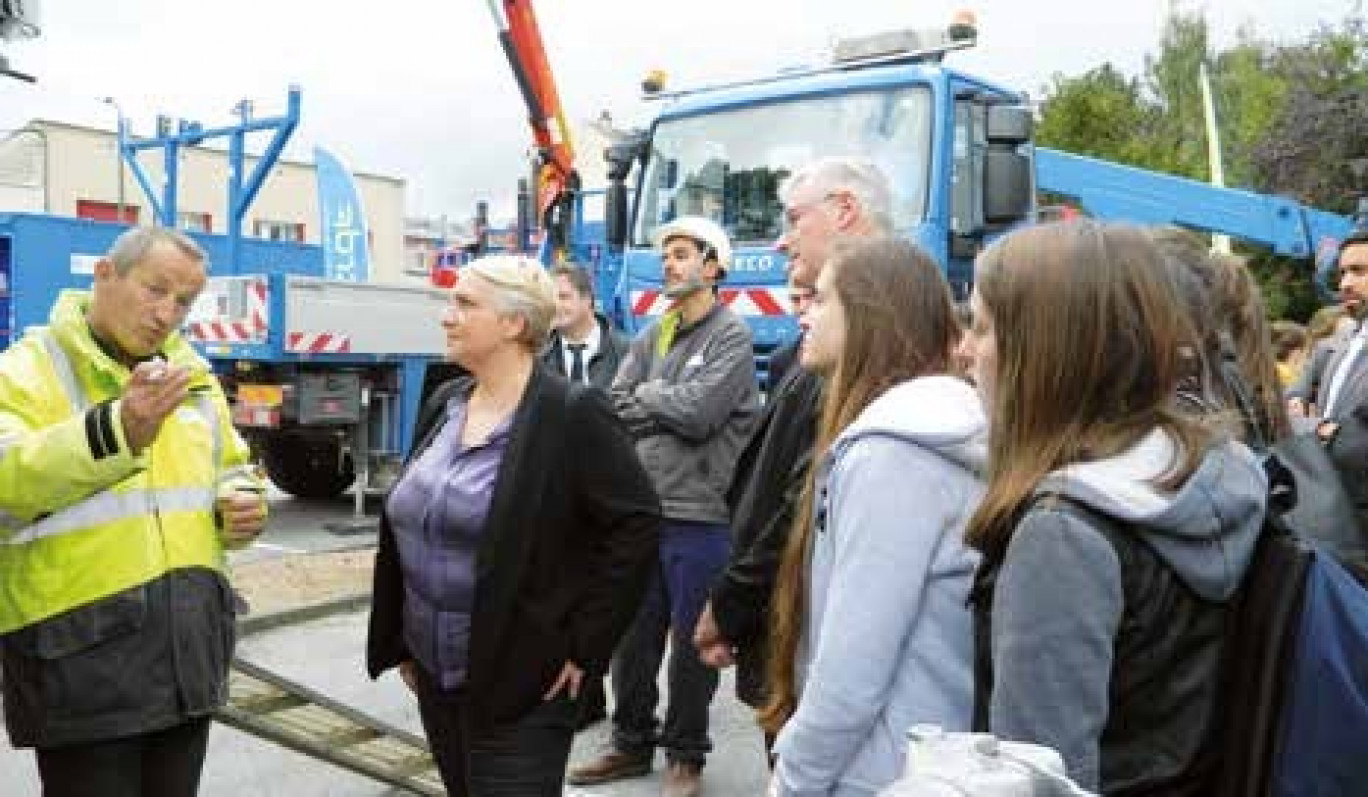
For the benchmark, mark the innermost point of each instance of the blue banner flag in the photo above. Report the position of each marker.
(346, 253)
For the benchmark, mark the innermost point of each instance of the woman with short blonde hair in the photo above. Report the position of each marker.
(507, 566)
(520, 286)
(1116, 526)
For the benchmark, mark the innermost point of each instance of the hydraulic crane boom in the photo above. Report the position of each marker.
(1114, 191)
(557, 181)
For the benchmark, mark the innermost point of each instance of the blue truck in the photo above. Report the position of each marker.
(326, 377)
(958, 150)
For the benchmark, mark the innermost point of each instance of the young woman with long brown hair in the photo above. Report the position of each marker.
(871, 630)
(1231, 368)
(1115, 527)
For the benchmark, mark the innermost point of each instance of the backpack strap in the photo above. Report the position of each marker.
(1258, 657)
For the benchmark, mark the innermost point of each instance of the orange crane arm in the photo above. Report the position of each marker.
(521, 40)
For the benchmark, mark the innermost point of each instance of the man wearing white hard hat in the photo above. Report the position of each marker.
(687, 392)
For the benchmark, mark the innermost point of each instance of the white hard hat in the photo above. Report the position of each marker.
(701, 229)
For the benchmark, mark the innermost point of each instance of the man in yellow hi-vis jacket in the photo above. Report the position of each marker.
(121, 482)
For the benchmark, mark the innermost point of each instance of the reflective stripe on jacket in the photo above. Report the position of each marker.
(81, 516)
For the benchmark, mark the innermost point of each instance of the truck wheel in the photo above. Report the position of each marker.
(307, 466)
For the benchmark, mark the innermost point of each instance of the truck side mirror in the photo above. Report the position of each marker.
(1007, 183)
(669, 174)
(615, 215)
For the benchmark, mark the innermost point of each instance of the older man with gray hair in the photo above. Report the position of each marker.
(826, 200)
(122, 480)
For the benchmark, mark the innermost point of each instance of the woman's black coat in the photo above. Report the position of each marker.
(568, 545)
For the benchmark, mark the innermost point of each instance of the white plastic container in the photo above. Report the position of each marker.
(941, 764)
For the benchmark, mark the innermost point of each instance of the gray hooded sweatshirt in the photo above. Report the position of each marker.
(887, 638)
(1058, 600)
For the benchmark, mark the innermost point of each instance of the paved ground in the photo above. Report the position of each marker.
(326, 654)
(299, 525)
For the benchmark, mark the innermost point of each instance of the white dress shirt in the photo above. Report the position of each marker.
(592, 343)
(1346, 366)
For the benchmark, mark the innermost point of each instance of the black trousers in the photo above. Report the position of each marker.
(525, 758)
(161, 764)
(691, 557)
(593, 701)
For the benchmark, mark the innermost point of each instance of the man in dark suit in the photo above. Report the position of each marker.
(1344, 385)
(584, 347)
(784, 358)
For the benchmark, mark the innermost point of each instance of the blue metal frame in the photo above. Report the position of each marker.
(45, 254)
(188, 134)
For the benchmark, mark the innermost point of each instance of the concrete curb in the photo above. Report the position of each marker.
(255, 623)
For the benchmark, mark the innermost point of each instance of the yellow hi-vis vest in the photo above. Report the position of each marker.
(81, 517)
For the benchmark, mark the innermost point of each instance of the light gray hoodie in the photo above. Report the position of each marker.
(1058, 599)
(887, 639)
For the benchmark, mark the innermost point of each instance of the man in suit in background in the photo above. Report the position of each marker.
(584, 347)
(1345, 382)
(783, 359)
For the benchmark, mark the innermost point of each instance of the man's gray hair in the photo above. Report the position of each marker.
(132, 246)
(859, 176)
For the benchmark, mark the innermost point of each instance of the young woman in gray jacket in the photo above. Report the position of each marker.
(1115, 527)
(872, 633)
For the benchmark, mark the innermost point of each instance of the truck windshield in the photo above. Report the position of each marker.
(729, 165)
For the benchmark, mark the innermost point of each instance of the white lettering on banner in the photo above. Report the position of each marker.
(345, 231)
(753, 263)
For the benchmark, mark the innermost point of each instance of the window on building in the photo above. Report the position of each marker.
(416, 262)
(96, 210)
(278, 230)
(191, 221)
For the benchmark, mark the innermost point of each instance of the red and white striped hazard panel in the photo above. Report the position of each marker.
(317, 343)
(743, 301)
(249, 327)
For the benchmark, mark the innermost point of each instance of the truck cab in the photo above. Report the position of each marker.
(954, 148)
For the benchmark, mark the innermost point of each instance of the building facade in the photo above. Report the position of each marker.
(70, 170)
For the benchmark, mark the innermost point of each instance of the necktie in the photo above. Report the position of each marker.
(576, 361)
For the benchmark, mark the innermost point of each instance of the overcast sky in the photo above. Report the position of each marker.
(421, 90)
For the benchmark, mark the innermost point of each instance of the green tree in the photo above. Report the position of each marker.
(1314, 144)
(1316, 147)
(1153, 124)
(1101, 113)
(1177, 141)
(1250, 93)
(1293, 121)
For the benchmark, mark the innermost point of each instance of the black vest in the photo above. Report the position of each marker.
(1160, 734)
